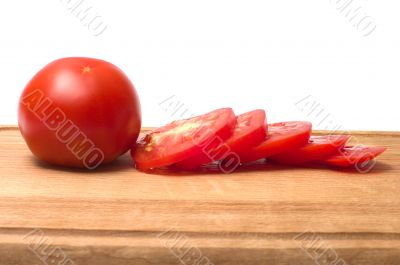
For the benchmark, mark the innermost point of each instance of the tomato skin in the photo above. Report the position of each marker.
(354, 155)
(250, 130)
(318, 147)
(281, 137)
(94, 95)
(180, 139)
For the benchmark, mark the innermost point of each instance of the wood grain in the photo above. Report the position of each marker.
(117, 215)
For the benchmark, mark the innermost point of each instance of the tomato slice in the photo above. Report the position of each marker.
(181, 139)
(317, 148)
(355, 156)
(250, 130)
(281, 137)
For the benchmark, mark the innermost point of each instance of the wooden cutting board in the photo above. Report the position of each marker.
(269, 215)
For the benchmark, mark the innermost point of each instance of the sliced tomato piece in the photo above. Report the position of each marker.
(359, 156)
(250, 130)
(181, 139)
(317, 148)
(281, 137)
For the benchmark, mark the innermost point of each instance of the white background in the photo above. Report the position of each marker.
(211, 54)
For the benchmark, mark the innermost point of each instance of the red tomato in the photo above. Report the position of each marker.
(318, 147)
(250, 130)
(79, 112)
(181, 139)
(359, 156)
(281, 137)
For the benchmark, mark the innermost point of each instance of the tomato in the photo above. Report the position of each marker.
(79, 112)
(183, 138)
(281, 137)
(317, 148)
(359, 156)
(250, 130)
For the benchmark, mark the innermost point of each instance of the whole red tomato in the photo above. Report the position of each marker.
(79, 112)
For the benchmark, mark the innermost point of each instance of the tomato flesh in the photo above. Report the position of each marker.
(318, 148)
(354, 155)
(281, 137)
(250, 130)
(181, 139)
